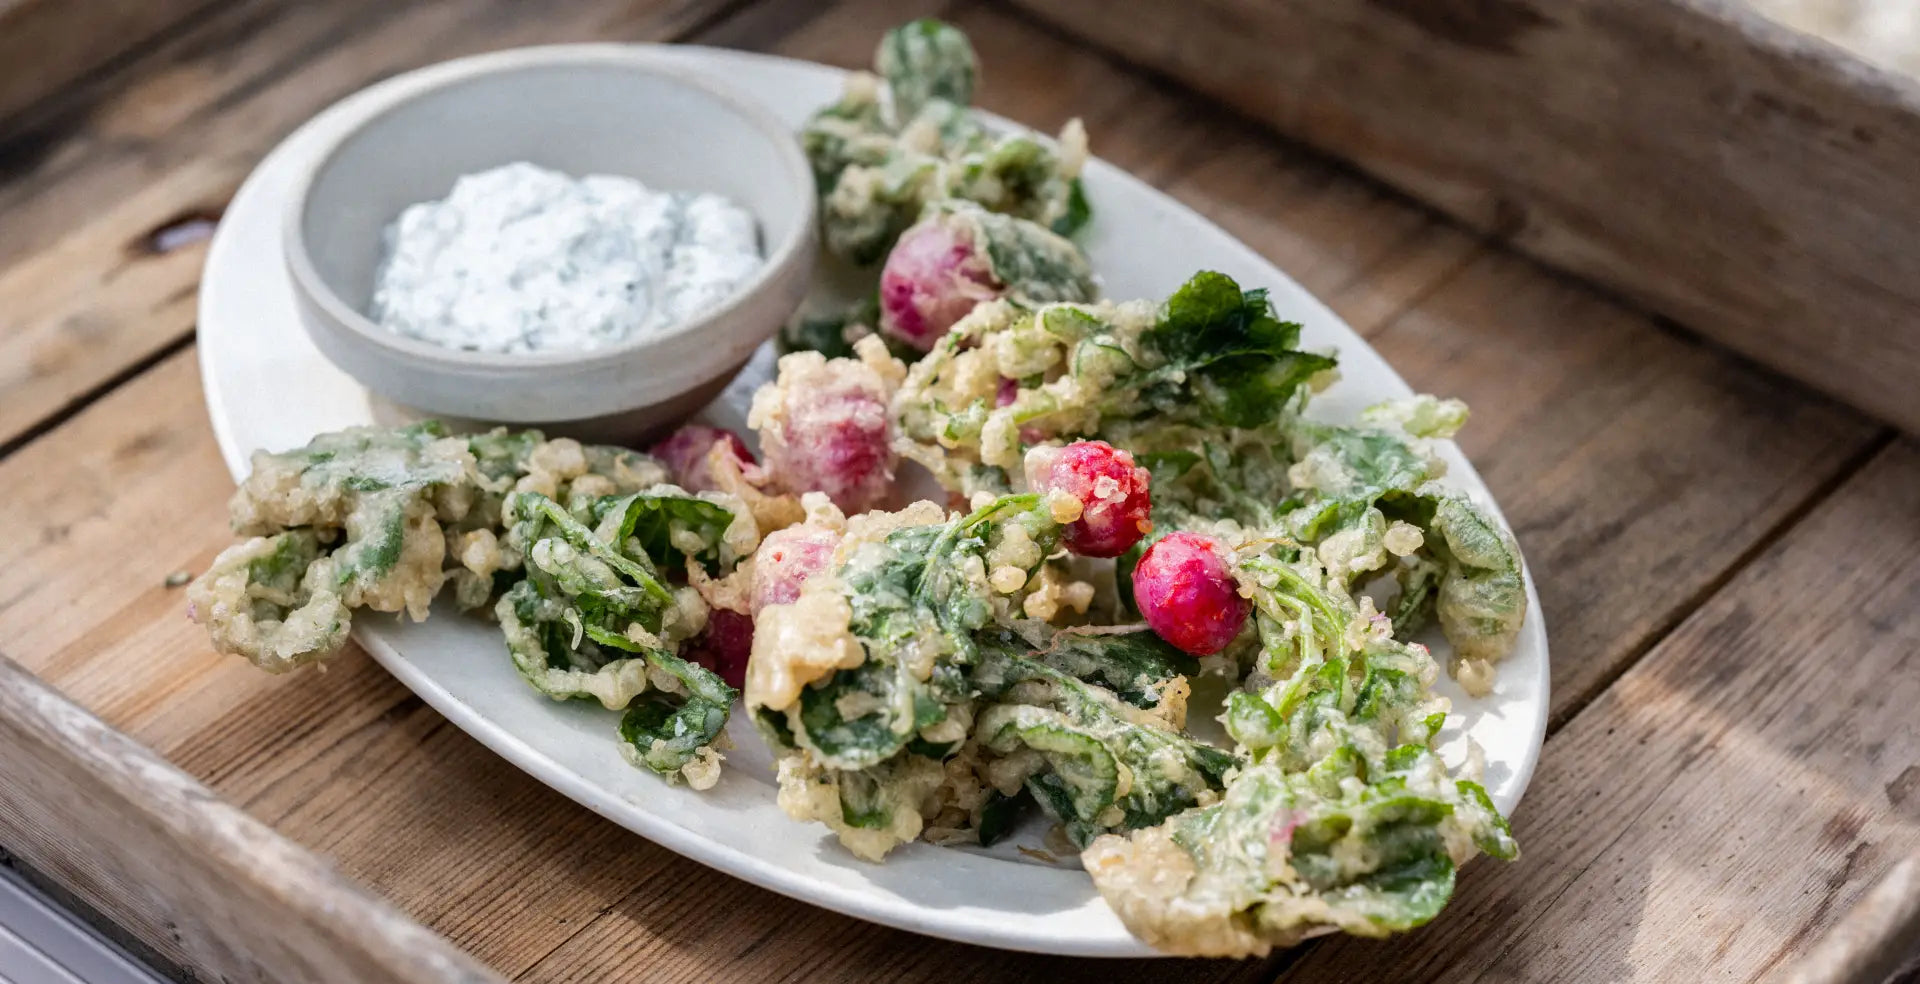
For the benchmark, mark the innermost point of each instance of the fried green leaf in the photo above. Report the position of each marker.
(1181, 383)
(916, 599)
(664, 525)
(924, 60)
(1105, 765)
(667, 728)
(879, 162)
(258, 600)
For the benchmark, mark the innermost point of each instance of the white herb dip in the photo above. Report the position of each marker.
(524, 259)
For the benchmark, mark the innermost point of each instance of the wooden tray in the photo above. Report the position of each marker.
(1750, 182)
(164, 856)
(1730, 565)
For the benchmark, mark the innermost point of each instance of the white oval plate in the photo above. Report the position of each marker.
(267, 387)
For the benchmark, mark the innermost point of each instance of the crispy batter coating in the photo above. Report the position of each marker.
(273, 600)
(382, 518)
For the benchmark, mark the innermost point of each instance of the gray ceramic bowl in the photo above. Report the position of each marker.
(581, 109)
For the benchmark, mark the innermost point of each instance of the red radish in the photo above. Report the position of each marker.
(1186, 591)
(933, 278)
(785, 560)
(837, 443)
(1008, 392)
(724, 645)
(1115, 503)
(687, 455)
(824, 427)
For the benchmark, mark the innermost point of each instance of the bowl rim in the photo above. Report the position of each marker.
(799, 176)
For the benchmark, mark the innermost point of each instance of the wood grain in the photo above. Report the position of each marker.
(1732, 795)
(1751, 183)
(1636, 465)
(1643, 471)
(214, 889)
(47, 45)
(1875, 939)
(107, 219)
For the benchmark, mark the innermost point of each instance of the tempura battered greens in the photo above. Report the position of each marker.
(907, 591)
(571, 539)
(353, 520)
(910, 688)
(577, 625)
(879, 161)
(1208, 390)
(370, 518)
(1369, 499)
(860, 682)
(594, 617)
(1155, 379)
(272, 600)
(1333, 810)
(1345, 817)
(1093, 761)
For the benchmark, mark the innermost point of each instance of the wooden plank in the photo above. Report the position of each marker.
(1720, 807)
(1751, 183)
(1885, 32)
(131, 489)
(214, 888)
(106, 220)
(1617, 450)
(1876, 940)
(47, 45)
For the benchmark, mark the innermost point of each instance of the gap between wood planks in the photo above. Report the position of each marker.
(86, 913)
(75, 406)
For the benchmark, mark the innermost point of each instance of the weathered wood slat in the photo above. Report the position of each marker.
(1732, 795)
(211, 887)
(1750, 182)
(1577, 432)
(47, 45)
(105, 221)
(1875, 940)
